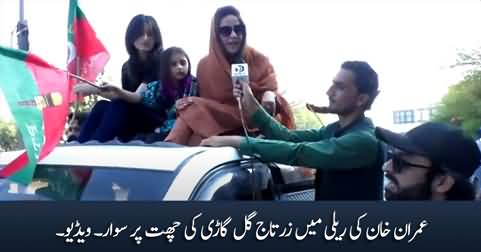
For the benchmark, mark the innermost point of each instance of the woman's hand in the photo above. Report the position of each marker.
(243, 91)
(85, 89)
(269, 102)
(237, 90)
(109, 91)
(182, 103)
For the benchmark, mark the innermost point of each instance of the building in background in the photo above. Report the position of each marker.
(406, 119)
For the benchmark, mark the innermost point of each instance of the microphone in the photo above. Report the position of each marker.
(239, 72)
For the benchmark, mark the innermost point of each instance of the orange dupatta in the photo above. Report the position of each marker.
(215, 111)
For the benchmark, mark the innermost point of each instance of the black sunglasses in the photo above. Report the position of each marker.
(399, 164)
(227, 30)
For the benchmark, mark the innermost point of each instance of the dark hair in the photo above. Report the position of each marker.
(462, 189)
(365, 78)
(136, 28)
(218, 16)
(135, 70)
(170, 90)
(165, 62)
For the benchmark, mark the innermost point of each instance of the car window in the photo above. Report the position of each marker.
(55, 182)
(127, 184)
(233, 182)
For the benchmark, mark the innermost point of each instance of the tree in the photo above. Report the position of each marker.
(85, 105)
(470, 59)
(462, 104)
(8, 136)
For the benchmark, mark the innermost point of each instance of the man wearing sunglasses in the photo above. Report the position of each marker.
(433, 161)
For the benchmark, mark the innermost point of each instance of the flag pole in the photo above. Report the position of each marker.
(81, 79)
(21, 32)
(21, 10)
(22, 29)
(74, 114)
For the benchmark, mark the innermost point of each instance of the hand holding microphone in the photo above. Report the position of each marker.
(240, 78)
(238, 89)
(241, 88)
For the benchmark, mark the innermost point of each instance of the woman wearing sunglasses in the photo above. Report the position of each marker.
(215, 112)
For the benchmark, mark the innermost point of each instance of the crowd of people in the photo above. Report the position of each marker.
(161, 100)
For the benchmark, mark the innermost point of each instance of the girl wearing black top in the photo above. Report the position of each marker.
(144, 45)
(143, 42)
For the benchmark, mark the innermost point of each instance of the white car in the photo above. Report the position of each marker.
(163, 171)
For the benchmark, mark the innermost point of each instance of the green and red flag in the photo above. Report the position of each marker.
(37, 94)
(87, 56)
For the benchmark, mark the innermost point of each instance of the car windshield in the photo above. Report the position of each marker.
(54, 182)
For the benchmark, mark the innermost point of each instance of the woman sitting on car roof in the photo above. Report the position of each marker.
(155, 99)
(215, 111)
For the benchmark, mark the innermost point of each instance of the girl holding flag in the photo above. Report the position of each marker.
(152, 107)
(143, 42)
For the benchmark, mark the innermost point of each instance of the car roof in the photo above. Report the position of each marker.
(161, 157)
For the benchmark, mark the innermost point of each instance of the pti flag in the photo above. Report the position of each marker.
(87, 56)
(37, 94)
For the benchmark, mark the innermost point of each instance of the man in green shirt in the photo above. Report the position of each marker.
(346, 154)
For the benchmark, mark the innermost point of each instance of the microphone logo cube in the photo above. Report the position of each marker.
(240, 72)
